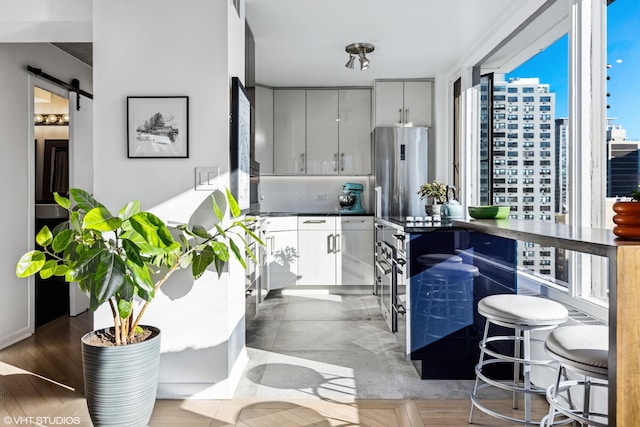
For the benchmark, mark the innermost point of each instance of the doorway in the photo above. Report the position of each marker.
(51, 134)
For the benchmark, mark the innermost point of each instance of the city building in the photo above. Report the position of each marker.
(623, 162)
(524, 160)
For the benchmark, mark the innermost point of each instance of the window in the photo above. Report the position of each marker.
(529, 163)
(528, 253)
(545, 126)
(499, 89)
(512, 99)
(499, 162)
(512, 154)
(527, 172)
(545, 99)
(500, 116)
(512, 126)
(528, 181)
(545, 271)
(528, 126)
(528, 199)
(545, 135)
(545, 144)
(498, 106)
(545, 162)
(545, 181)
(545, 116)
(527, 98)
(545, 171)
(499, 181)
(527, 135)
(545, 108)
(513, 108)
(498, 144)
(513, 144)
(545, 199)
(498, 134)
(512, 117)
(545, 154)
(512, 90)
(528, 262)
(512, 199)
(498, 190)
(512, 181)
(512, 163)
(512, 172)
(528, 144)
(527, 90)
(499, 153)
(528, 108)
(498, 97)
(512, 135)
(499, 125)
(513, 190)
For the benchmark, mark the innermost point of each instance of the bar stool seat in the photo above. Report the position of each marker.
(433, 259)
(583, 349)
(523, 314)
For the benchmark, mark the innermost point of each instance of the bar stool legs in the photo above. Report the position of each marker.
(522, 314)
(582, 350)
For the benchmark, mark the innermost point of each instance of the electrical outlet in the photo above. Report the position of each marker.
(321, 196)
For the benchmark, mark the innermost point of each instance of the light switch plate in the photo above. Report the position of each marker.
(207, 178)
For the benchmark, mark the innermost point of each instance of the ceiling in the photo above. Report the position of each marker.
(302, 42)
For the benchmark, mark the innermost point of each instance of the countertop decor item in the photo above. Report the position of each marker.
(435, 190)
(627, 218)
(489, 212)
(113, 258)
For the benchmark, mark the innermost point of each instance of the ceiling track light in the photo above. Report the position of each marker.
(360, 50)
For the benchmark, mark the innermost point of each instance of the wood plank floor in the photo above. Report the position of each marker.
(41, 385)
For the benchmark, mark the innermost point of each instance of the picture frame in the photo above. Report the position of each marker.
(240, 149)
(157, 127)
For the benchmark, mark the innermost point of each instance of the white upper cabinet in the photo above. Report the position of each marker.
(354, 132)
(338, 131)
(403, 103)
(322, 132)
(264, 128)
(289, 129)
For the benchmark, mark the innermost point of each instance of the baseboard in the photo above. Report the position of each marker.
(15, 337)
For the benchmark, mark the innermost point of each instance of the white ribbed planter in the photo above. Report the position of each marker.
(120, 383)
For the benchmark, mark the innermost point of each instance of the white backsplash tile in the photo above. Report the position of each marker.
(299, 193)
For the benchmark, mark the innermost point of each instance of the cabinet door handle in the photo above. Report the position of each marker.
(400, 111)
(314, 221)
(406, 115)
(329, 242)
(342, 162)
(337, 243)
(335, 162)
(302, 162)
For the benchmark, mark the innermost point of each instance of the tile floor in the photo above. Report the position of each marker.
(334, 347)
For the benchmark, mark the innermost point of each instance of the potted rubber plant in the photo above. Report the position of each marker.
(435, 190)
(627, 217)
(122, 260)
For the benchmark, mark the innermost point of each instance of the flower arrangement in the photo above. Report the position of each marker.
(434, 189)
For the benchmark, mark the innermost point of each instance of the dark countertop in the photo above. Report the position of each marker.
(272, 214)
(415, 226)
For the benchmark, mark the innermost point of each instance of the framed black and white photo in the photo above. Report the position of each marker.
(240, 149)
(157, 126)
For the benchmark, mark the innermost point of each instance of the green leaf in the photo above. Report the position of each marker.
(250, 233)
(141, 276)
(109, 277)
(200, 231)
(76, 223)
(153, 230)
(62, 240)
(100, 219)
(62, 201)
(83, 200)
(233, 205)
(220, 250)
(201, 261)
(124, 308)
(44, 237)
(216, 209)
(221, 231)
(236, 252)
(86, 264)
(30, 263)
(131, 209)
(61, 270)
(133, 251)
(48, 269)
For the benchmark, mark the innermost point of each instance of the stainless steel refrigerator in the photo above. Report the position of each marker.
(400, 162)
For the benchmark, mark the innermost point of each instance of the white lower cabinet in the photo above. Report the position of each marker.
(354, 256)
(316, 244)
(335, 250)
(282, 255)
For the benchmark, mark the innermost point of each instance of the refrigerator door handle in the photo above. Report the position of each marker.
(342, 162)
(335, 162)
(301, 162)
(400, 111)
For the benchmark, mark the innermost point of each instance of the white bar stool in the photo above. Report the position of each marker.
(584, 350)
(523, 314)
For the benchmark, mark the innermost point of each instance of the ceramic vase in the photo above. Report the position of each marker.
(627, 220)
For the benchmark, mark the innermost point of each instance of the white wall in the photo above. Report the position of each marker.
(169, 47)
(16, 163)
(298, 193)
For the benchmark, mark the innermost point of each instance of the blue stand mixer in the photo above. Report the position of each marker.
(350, 201)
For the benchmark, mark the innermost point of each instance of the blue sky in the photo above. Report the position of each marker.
(623, 53)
